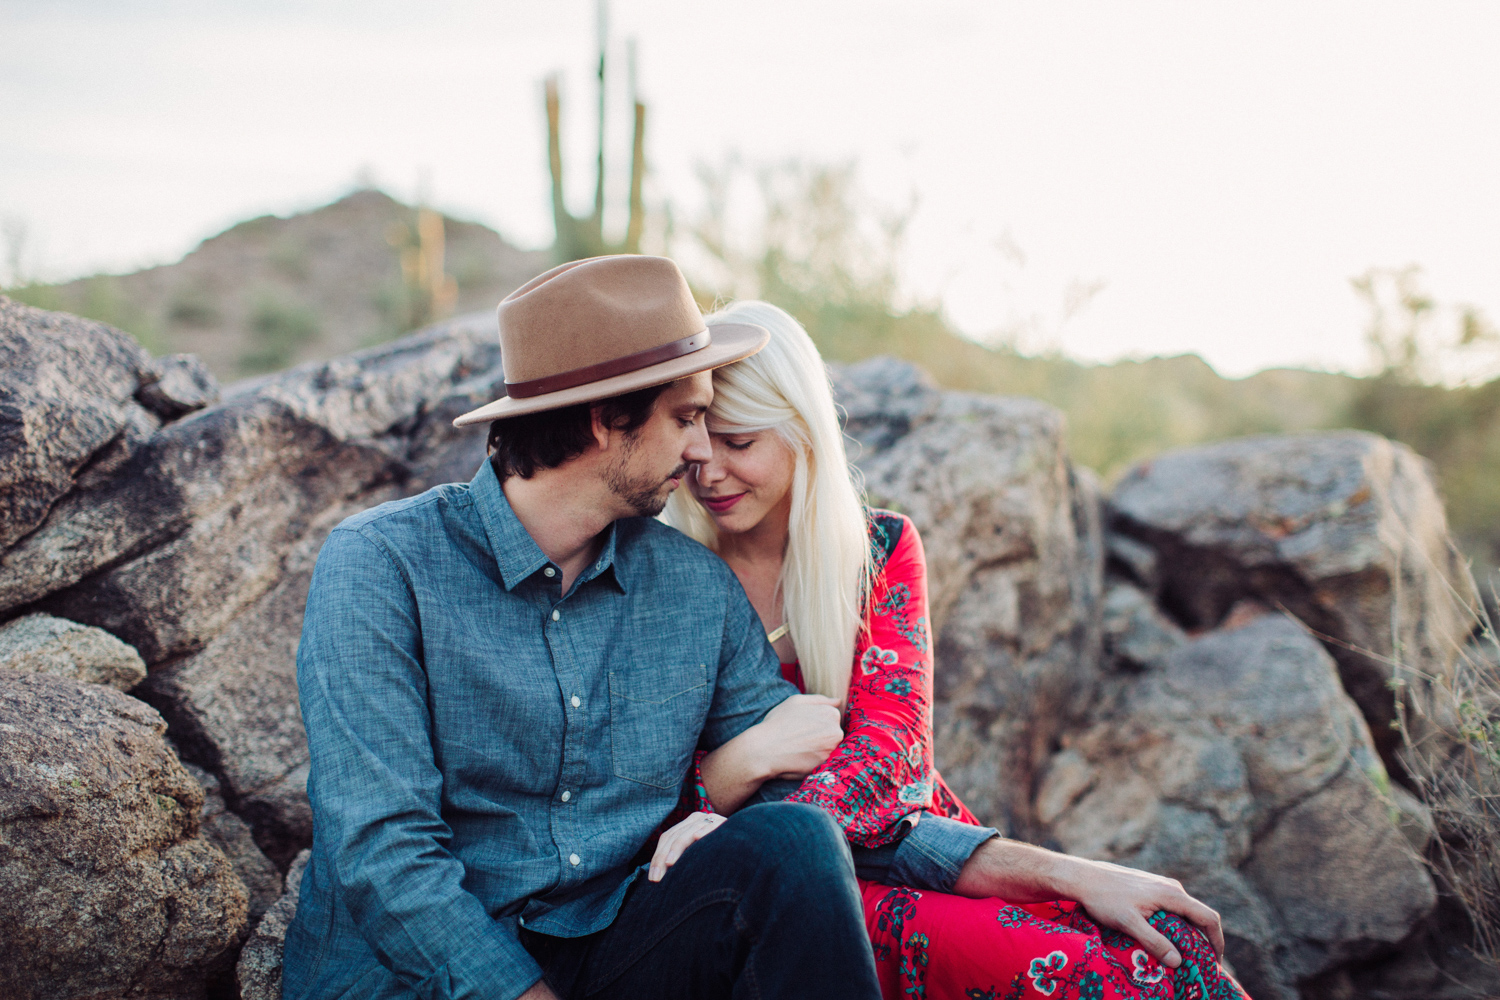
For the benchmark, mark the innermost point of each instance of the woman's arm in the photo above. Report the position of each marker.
(882, 772)
(793, 739)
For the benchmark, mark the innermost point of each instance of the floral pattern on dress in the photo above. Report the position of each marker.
(883, 770)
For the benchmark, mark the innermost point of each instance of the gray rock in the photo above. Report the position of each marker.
(1239, 766)
(259, 969)
(1344, 530)
(1014, 558)
(176, 385)
(66, 388)
(232, 836)
(106, 887)
(1136, 633)
(42, 644)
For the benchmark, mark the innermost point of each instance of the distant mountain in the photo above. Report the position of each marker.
(272, 292)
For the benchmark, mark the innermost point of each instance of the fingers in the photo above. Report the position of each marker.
(678, 839)
(1206, 919)
(1152, 940)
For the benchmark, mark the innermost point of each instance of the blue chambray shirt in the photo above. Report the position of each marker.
(489, 752)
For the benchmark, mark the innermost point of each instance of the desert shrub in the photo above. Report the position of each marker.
(192, 306)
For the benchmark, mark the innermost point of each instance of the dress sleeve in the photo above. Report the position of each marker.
(882, 772)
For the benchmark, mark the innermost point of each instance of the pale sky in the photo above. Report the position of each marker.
(1219, 171)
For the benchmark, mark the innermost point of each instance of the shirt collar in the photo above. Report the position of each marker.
(516, 553)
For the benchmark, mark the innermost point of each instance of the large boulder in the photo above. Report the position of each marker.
(1014, 557)
(1344, 530)
(1238, 765)
(106, 887)
(193, 541)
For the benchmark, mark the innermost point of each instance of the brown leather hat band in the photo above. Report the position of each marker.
(609, 369)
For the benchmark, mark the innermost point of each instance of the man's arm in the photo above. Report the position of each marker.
(1113, 895)
(749, 682)
(376, 790)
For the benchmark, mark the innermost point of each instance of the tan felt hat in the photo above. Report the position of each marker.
(601, 327)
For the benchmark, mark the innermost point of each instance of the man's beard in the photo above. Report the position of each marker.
(646, 497)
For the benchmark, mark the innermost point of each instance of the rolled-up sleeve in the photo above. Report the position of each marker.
(376, 789)
(933, 854)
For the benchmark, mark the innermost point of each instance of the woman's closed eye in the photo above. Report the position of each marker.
(738, 445)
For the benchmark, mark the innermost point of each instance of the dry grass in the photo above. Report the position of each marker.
(1450, 726)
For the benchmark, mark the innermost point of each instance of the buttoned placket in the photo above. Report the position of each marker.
(566, 662)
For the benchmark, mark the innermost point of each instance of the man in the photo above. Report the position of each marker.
(504, 683)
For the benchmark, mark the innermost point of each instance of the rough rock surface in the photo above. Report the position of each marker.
(106, 888)
(1344, 530)
(1014, 556)
(177, 385)
(42, 644)
(1239, 766)
(232, 836)
(259, 969)
(194, 540)
(66, 391)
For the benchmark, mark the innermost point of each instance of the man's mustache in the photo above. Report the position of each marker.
(680, 472)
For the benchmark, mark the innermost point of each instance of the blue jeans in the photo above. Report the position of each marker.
(766, 906)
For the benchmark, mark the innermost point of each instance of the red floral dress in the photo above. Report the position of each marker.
(937, 945)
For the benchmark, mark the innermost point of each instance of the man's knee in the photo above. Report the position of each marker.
(794, 834)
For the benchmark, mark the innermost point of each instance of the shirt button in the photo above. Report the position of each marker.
(566, 796)
(557, 616)
(550, 571)
(576, 702)
(575, 859)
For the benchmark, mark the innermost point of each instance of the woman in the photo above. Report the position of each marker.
(841, 591)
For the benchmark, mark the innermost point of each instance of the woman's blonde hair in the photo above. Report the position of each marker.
(825, 573)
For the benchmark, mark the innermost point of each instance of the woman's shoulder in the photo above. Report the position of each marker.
(888, 531)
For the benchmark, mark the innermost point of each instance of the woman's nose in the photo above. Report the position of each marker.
(709, 472)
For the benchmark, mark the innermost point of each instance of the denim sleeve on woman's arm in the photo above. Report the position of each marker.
(930, 856)
(375, 787)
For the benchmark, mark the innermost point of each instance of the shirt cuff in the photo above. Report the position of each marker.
(934, 852)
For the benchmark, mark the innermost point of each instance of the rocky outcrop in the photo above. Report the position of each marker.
(193, 541)
(1344, 530)
(106, 887)
(1239, 766)
(1014, 557)
(232, 836)
(42, 644)
(259, 971)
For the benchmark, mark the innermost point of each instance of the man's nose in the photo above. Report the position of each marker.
(698, 449)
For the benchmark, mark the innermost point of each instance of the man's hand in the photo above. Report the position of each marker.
(1114, 896)
(678, 839)
(1123, 898)
(539, 991)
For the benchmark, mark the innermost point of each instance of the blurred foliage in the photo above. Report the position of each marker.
(832, 262)
(278, 330)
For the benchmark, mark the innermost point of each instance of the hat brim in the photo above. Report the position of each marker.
(731, 342)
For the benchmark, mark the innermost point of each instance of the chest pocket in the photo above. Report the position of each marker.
(655, 716)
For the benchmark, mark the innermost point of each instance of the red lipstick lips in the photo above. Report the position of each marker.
(720, 504)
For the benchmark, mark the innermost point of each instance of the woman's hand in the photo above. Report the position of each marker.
(792, 741)
(678, 839)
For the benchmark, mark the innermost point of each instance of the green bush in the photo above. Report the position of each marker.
(278, 330)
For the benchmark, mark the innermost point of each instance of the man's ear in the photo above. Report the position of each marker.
(603, 433)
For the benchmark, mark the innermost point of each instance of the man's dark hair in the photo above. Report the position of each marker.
(521, 445)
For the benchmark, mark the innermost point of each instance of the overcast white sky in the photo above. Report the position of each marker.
(1222, 170)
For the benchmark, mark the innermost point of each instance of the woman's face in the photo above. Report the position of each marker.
(748, 477)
